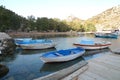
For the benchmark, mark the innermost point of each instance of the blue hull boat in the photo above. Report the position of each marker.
(21, 40)
(106, 35)
(62, 55)
(35, 44)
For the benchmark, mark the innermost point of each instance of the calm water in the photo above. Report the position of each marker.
(26, 65)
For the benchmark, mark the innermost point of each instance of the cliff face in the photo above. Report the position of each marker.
(109, 19)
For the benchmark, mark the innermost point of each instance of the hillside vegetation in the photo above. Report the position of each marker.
(10, 21)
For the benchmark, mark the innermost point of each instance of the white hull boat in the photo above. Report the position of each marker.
(62, 55)
(38, 46)
(94, 45)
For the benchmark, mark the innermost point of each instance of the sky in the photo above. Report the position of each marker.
(61, 9)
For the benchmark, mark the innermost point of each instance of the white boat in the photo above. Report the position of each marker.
(92, 45)
(116, 32)
(62, 55)
(37, 44)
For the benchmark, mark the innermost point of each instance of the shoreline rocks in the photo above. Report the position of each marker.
(7, 45)
(3, 70)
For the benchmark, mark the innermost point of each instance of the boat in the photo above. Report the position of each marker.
(62, 55)
(21, 40)
(116, 31)
(92, 45)
(37, 44)
(106, 35)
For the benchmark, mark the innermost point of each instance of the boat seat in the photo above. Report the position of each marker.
(58, 54)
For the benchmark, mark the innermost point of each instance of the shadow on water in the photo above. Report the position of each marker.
(52, 67)
(3, 70)
(18, 51)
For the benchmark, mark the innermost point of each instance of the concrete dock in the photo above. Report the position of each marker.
(106, 67)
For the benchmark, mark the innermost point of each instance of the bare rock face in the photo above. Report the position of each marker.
(4, 36)
(7, 45)
(109, 19)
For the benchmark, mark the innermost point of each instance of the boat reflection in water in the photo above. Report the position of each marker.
(52, 67)
(90, 54)
(31, 52)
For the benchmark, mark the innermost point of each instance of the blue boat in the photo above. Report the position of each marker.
(21, 40)
(35, 43)
(106, 35)
(92, 45)
(62, 55)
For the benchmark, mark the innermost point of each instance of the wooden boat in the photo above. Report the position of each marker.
(92, 45)
(37, 44)
(62, 55)
(106, 35)
(21, 40)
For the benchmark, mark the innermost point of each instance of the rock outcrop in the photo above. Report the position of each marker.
(7, 45)
(109, 19)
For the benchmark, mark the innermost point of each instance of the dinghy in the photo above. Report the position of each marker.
(106, 35)
(37, 44)
(92, 45)
(21, 40)
(62, 55)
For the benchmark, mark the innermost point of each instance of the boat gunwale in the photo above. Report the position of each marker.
(95, 45)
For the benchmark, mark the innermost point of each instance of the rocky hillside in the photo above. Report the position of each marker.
(109, 19)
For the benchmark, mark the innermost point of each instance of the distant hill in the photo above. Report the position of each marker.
(109, 19)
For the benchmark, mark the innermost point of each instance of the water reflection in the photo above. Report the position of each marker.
(8, 58)
(95, 53)
(32, 52)
(89, 52)
(52, 67)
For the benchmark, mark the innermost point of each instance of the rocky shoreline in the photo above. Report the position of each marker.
(35, 34)
(31, 34)
(7, 45)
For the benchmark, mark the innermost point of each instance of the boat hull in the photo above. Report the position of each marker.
(38, 46)
(93, 47)
(107, 35)
(62, 58)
